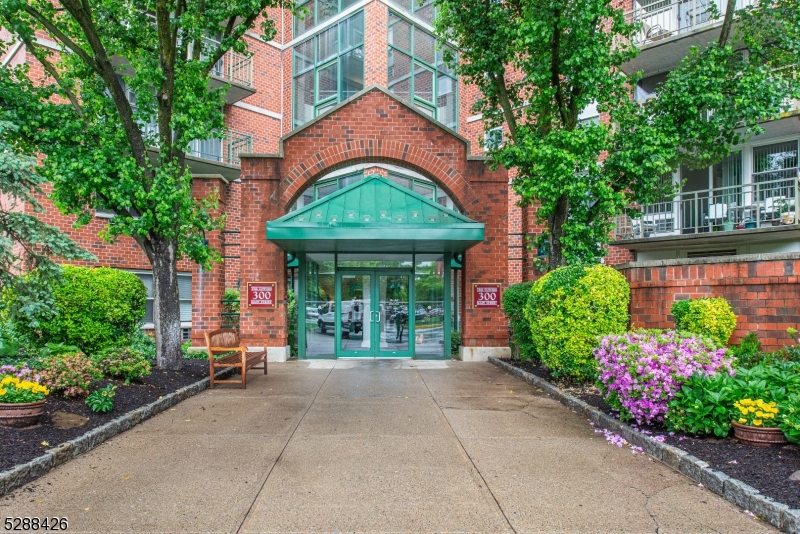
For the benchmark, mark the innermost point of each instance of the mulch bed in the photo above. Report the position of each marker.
(766, 469)
(20, 445)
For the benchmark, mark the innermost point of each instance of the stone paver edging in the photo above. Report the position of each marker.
(23, 473)
(734, 490)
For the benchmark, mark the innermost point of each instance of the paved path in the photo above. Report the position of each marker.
(391, 446)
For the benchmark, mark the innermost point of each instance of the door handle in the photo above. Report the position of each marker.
(379, 316)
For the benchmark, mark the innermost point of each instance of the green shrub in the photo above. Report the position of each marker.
(230, 308)
(455, 342)
(569, 309)
(712, 317)
(748, 351)
(144, 343)
(70, 373)
(515, 298)
(192, 354)
(291, 318)
(97, 308)
(126, 363)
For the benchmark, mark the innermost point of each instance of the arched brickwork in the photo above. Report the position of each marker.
(373, 127)
(358, 151)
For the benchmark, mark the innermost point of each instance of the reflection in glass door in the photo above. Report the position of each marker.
(394, 327)
(354, 321)
(372, 313)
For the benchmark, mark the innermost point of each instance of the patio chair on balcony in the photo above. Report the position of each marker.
(717, 214)
(773, 207)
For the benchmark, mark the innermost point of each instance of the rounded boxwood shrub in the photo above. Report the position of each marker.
(569, 309)
(711, 317)
(98, 307)
(515, 298)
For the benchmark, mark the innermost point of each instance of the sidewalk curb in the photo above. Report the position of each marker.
(21, 474)
(734, 490)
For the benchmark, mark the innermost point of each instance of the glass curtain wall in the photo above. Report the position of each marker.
(328, 68)
(418, 73)
(318, 12)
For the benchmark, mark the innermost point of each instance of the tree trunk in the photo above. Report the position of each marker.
(555, 223)
(166, 303)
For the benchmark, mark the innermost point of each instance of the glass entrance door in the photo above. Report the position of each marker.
(373, 319)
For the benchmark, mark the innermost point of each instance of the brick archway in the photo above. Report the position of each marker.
(357, 151)
(373, 127)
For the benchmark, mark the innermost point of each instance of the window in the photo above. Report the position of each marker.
(185, 293)
(422, 9)
(418, 73)
(328, 186)
(493, 139)
(775, 162)
(328, 68)
(319, 11)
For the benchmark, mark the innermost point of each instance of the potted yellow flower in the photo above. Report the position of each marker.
(22, 397)
(756, 424)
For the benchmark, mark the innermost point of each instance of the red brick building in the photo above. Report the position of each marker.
(355, 102)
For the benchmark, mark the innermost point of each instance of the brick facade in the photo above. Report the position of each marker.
(763, 292)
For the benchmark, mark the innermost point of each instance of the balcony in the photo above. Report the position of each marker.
(236, 71)
(671, 27)
(733, 210)
(224, 150)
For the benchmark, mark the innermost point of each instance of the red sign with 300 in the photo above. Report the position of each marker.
(485, 295)
(261, 294)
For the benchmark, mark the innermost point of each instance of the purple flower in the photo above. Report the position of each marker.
(644, 370)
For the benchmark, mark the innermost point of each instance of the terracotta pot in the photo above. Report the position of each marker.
(21, 414)
(758, 436)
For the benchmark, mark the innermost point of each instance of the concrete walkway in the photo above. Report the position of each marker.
(391, 446)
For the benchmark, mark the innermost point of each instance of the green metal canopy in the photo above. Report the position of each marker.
(374, 215)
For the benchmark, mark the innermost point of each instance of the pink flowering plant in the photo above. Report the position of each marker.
(640, 372)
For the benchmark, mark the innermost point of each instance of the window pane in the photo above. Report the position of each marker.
(303, 56)
(399, 74)
(348, 3)
(400, 180)
(423, 190)
(424, 46)
(349, 180)
(328, 44)
(186, 311)
(446, 101)
(775, 157)
(147, 280)
(148, 311)
(326, 189)
(423, 83)
(327, 82)
(324, 108)
(399, 32)
(326, 9)
(425, 12)
(423, 109)
(303, 98)
(303, 25)
(352, 72)
(185, 286)
(405, 4)
(440, 62)
(353, 31)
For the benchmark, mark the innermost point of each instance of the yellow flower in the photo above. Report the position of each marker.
(760, 414)
(7, 380)
(757, 422)
(2, 392)
(742, 420)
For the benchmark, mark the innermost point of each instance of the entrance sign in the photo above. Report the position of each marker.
(261, 294)
(485, 295)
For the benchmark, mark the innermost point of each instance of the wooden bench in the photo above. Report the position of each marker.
(224, 341)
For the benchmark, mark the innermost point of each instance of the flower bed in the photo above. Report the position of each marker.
(19, 445)
(767, 469)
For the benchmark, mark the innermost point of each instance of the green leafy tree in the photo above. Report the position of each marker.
(540, 63)
(27, 243)
(103, 149)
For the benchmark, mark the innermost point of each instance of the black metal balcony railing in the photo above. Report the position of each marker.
(668, 18)
(769, 202)
(225, 150)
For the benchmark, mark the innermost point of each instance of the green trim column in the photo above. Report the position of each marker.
(301, 308)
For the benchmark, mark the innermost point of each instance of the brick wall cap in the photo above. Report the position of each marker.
(742, 258)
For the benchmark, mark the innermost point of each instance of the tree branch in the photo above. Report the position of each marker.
(505, 102)
(61, 36)
(727, 23)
